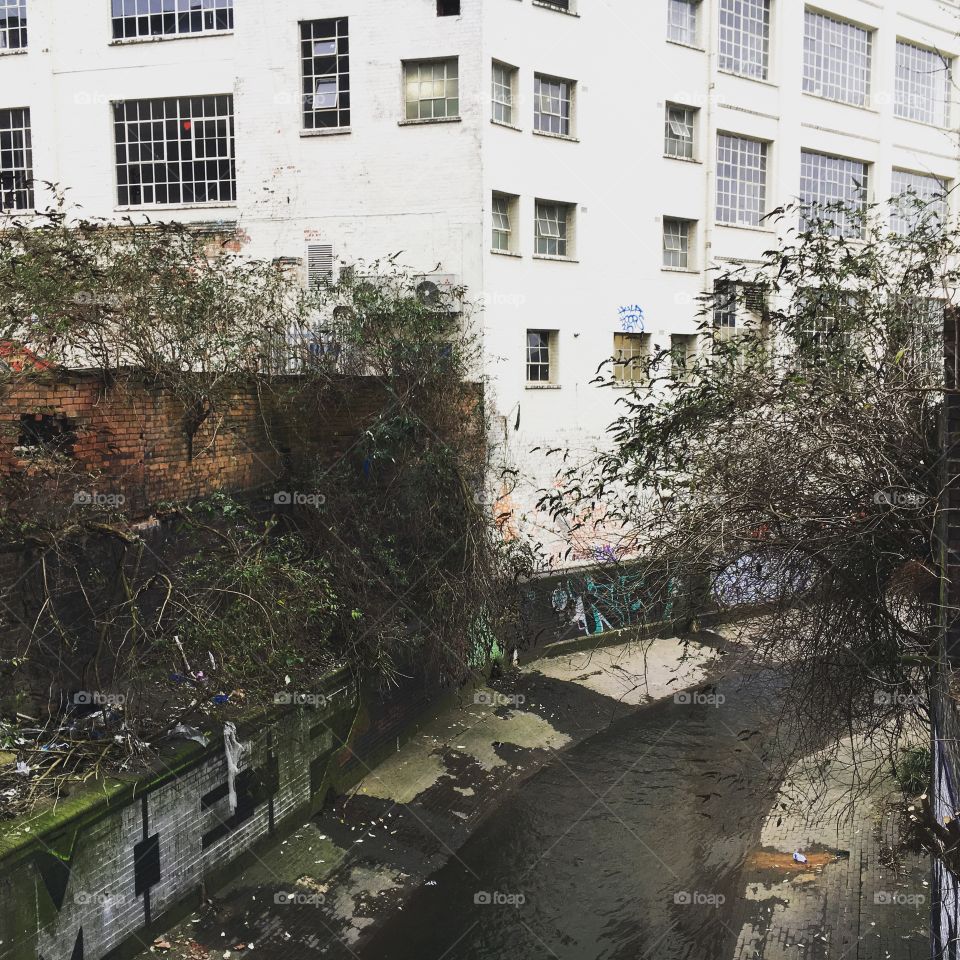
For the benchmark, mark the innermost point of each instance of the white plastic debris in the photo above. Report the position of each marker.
(233, 750)
(799, 857)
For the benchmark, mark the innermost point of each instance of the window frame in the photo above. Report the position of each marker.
(849, 229)
(675, 29)
(21, 178)
(548, 348)
(184, 122)
(569, 101)
(340, 37)
(631, 369)
(740, 202)
(937, 200)
(669, 135)
(686, 244)
(837, 81)
(446, 99)
(740, 40)
(144, 23)
(564, 236)
(512, 74)
(907, 95)
(7, 10)
(512, 203)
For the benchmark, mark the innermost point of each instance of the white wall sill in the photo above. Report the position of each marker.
(744, 226)
(541, 386)
(670, 156)
(545, 256)
(163, 38)
(506, 253)
(555, 136)
(427, 121)
(866, 108)
(746, 76)
(508, 126)
(688, 270)
(687, 46)
(325, 132)
(555, 8)
(14, 52)
(155, 207)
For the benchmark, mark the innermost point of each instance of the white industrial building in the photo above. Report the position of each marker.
(579, 165)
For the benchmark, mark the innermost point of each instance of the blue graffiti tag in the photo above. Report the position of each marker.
(631, 318)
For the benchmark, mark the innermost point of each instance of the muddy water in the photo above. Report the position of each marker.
(630, 845)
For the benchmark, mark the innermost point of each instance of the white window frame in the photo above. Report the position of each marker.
(553, 229)
(916, 96)
(541, 356)
(741, 174)
(503, 94)
(557, 95)
(504, 222)
(140, 20)
(13, 38)
(677, 243)
(927, 188)
(837, 59)
(744, 44)
(16, 160)
(680, 131)
(683, 22)
(826, 179)
(416, 83)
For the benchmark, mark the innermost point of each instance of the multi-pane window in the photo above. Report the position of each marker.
(325, 54)
(550, 229)
(502, 223)
(724, 309)
(176, 150)
(741, 180)
(676, 243)
(682, 21)
(922, 84)
(836, 59)
(13, 24)
(432, 89)
(833, 189)
(678, 131)
(541, 356)
(552, 104)
(165, 18)
(631, 357)
(745, 37)
(504, 79)
(916, 197)
(682, 351)
(16, 160)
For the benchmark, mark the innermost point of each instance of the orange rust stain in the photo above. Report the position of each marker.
(770, 860)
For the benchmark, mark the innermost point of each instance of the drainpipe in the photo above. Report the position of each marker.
(710, 141)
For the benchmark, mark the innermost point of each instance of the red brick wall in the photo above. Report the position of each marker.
(129, 438)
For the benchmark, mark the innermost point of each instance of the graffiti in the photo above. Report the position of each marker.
(631, 318)
(596, 604)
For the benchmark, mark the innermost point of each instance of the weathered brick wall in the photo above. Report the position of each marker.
(68, 434)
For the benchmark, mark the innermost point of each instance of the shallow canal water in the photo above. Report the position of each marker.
(629, 845)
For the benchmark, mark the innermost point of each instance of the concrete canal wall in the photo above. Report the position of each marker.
(107, 870)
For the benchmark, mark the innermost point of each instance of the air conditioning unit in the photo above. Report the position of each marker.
(431, 287)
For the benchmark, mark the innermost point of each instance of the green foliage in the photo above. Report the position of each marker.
(913, 770)
(797, 461)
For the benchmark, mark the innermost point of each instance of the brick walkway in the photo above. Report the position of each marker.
(855, 899)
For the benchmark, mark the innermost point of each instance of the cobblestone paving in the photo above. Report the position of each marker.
(855, 899)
